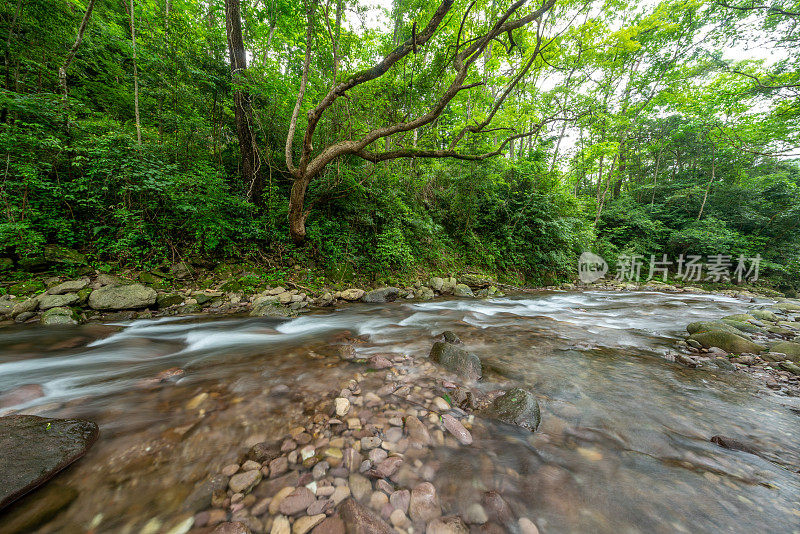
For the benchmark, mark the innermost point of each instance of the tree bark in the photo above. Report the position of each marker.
(710, 181)
(243, 113)
(62, 70)
(135, 77)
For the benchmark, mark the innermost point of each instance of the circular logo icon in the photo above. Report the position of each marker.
(591, 267)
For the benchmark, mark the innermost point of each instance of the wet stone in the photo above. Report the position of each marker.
(360, 520)
(424, 504)
(244, 482)
(297, 501)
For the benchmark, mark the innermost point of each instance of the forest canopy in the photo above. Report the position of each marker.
(403, 135)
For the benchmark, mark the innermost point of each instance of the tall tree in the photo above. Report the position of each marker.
(242, 106)
(466, 52)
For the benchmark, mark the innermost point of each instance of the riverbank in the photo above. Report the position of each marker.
(186, 290)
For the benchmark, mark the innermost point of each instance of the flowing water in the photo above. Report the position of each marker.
(623, 445)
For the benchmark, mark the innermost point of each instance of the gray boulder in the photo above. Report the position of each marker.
(517, 407)
(55, 301)
(456, 359)
(384, 294)
(424, 293)
(128, 297)
(462, 290)
(437, 283)
(70, 286)
(36, 448)
(270, 308)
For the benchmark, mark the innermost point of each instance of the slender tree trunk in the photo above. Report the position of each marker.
(62, 70)
(655, 174)
(710, 181)
(243, 112)
(7, 56)
(135, 77)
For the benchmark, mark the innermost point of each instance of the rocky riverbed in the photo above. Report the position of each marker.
(763, 341)
(374, 416)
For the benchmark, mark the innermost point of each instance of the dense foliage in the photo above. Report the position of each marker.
(650, 139)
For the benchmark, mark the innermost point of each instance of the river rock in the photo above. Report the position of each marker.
(455, 427)
(456, 359)
(297, 501)
(417, 432)
(788, 306)
(765, 315)
(791, 367)
(306, 523)
(729, 342)
(132, 296)
(462, 290)
(270, 308)
(352, 294)
(424, 504)
(342, 406)
(36, 448)
(436, 283)
(447, 525)
(55, 301)
(742, 326)
(59, 316)
(21, 395)
(331, 525)
(232, 527)
(25, 306)
(384, 294)
(424, 293)
(244, 482)
(448, 285)
(731, 443)
(789, 348)
(70, 286)
(517, 407)
(360, 520)
(711, 326)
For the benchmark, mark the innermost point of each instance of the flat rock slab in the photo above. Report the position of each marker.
(35, 449)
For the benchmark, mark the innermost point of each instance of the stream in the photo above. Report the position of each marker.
(623, 446)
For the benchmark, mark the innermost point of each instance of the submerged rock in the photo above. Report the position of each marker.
(21, 395)
(360, 520)
(517, 407)
(731, 443)
(126, 297)
(456, 359)
(36, 448)
(29, 514)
